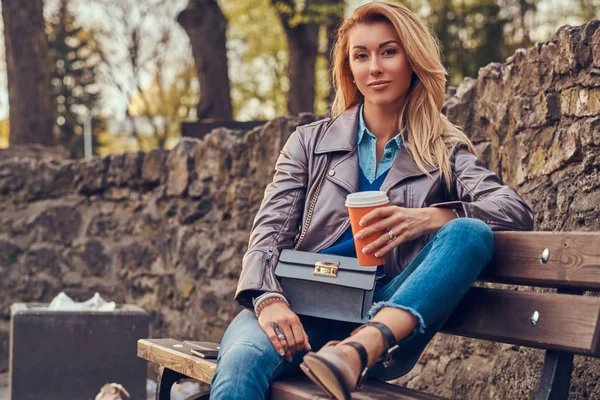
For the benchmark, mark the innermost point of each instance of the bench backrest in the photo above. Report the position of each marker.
(564, 321)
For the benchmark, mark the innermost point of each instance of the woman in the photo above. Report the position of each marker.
(388, 134)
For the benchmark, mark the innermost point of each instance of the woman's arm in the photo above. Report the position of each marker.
(481, 195)
(276, 223)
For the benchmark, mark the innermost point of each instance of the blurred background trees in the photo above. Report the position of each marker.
(143, 67)
(28, 72)
(206, 27)
(75, 91)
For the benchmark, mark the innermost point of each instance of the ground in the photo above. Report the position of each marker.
(179, 391)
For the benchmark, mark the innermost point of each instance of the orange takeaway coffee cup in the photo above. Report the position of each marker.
(360, 204)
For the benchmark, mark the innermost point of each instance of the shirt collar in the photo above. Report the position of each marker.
(362, 129)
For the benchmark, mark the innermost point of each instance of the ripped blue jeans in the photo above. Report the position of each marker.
(430, 288)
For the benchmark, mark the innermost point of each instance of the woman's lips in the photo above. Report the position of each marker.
(380, 86)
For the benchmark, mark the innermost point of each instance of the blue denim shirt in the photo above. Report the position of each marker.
(367, 158)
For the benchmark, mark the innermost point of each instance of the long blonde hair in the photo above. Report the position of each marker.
(430, 134)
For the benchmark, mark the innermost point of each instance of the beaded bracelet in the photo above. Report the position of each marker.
(259, 307)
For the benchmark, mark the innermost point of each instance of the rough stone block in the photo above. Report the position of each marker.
(124, 169)
(154, 166)
(590, 132)
(90, 176)
(59, 224)
(580, 102)
(179, 165)
(596, 47)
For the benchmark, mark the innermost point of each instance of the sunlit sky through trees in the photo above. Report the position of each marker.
(550, 15)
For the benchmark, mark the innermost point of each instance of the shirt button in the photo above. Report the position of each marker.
(331, 173)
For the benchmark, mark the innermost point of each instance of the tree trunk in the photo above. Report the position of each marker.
(303, 51)
(206, 25)
(28, 72)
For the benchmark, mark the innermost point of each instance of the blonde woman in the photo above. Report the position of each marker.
(387, 134)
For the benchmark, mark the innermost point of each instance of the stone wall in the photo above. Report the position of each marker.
(166, 230)
(536, 121)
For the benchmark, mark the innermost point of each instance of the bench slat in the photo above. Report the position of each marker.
(574, 259)
(179, 359)
(566, 322)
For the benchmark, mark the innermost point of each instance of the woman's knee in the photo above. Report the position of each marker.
(472, 233)
(249, 358)
(245, 335)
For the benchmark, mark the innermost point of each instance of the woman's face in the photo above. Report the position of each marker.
(379, 64)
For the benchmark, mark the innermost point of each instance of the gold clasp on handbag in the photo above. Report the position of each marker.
(326, 269)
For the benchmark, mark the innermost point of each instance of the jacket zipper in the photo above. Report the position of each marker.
(311, 207)
(269, 256)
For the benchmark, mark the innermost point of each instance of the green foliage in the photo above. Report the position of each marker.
(258, 56)
(258, 53)
(158, 108)
(471, 34)
(74, 89)
(297, 13)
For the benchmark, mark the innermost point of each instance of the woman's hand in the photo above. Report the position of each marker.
(280, 314)
(405, 223)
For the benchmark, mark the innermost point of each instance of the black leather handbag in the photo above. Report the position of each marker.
(325, 285)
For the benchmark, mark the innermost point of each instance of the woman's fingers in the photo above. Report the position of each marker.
(289, 338)
(300, 336)
(378, 222)
(306, 342)
(277, 344)
(377, 214)
(284, 330)
(382, 247)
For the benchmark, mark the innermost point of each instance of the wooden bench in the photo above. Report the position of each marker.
(564, 323)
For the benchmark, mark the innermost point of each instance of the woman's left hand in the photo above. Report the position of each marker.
(405, 223)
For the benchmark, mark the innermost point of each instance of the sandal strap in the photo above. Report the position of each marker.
(364, 359)
(387, 333)
(389, 338)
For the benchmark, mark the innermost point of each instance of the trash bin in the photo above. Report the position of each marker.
(58, 355)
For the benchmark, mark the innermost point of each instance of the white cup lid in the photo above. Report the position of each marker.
(367, 199)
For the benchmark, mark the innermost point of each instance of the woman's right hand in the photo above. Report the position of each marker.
(280, 314)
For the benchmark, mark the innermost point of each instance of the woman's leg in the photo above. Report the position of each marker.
(247, 361)
(416, 303)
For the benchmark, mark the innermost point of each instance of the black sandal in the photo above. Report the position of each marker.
(329, 370)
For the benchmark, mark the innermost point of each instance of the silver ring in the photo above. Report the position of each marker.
(391, 235)
(278, 332)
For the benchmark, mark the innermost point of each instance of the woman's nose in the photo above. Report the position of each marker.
(375, 67)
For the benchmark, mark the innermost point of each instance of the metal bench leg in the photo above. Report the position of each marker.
(166, 379)
(556, 378)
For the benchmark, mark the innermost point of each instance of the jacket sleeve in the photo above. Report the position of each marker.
(276, 223)
(480, 194)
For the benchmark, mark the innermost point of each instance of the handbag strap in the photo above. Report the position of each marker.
(311, 207)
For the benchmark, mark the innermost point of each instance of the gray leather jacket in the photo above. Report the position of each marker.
(478, 191)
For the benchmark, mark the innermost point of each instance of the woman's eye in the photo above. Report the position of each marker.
(389, 52)
(359, 56)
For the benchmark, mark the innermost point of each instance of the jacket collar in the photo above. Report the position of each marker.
(340, 135)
